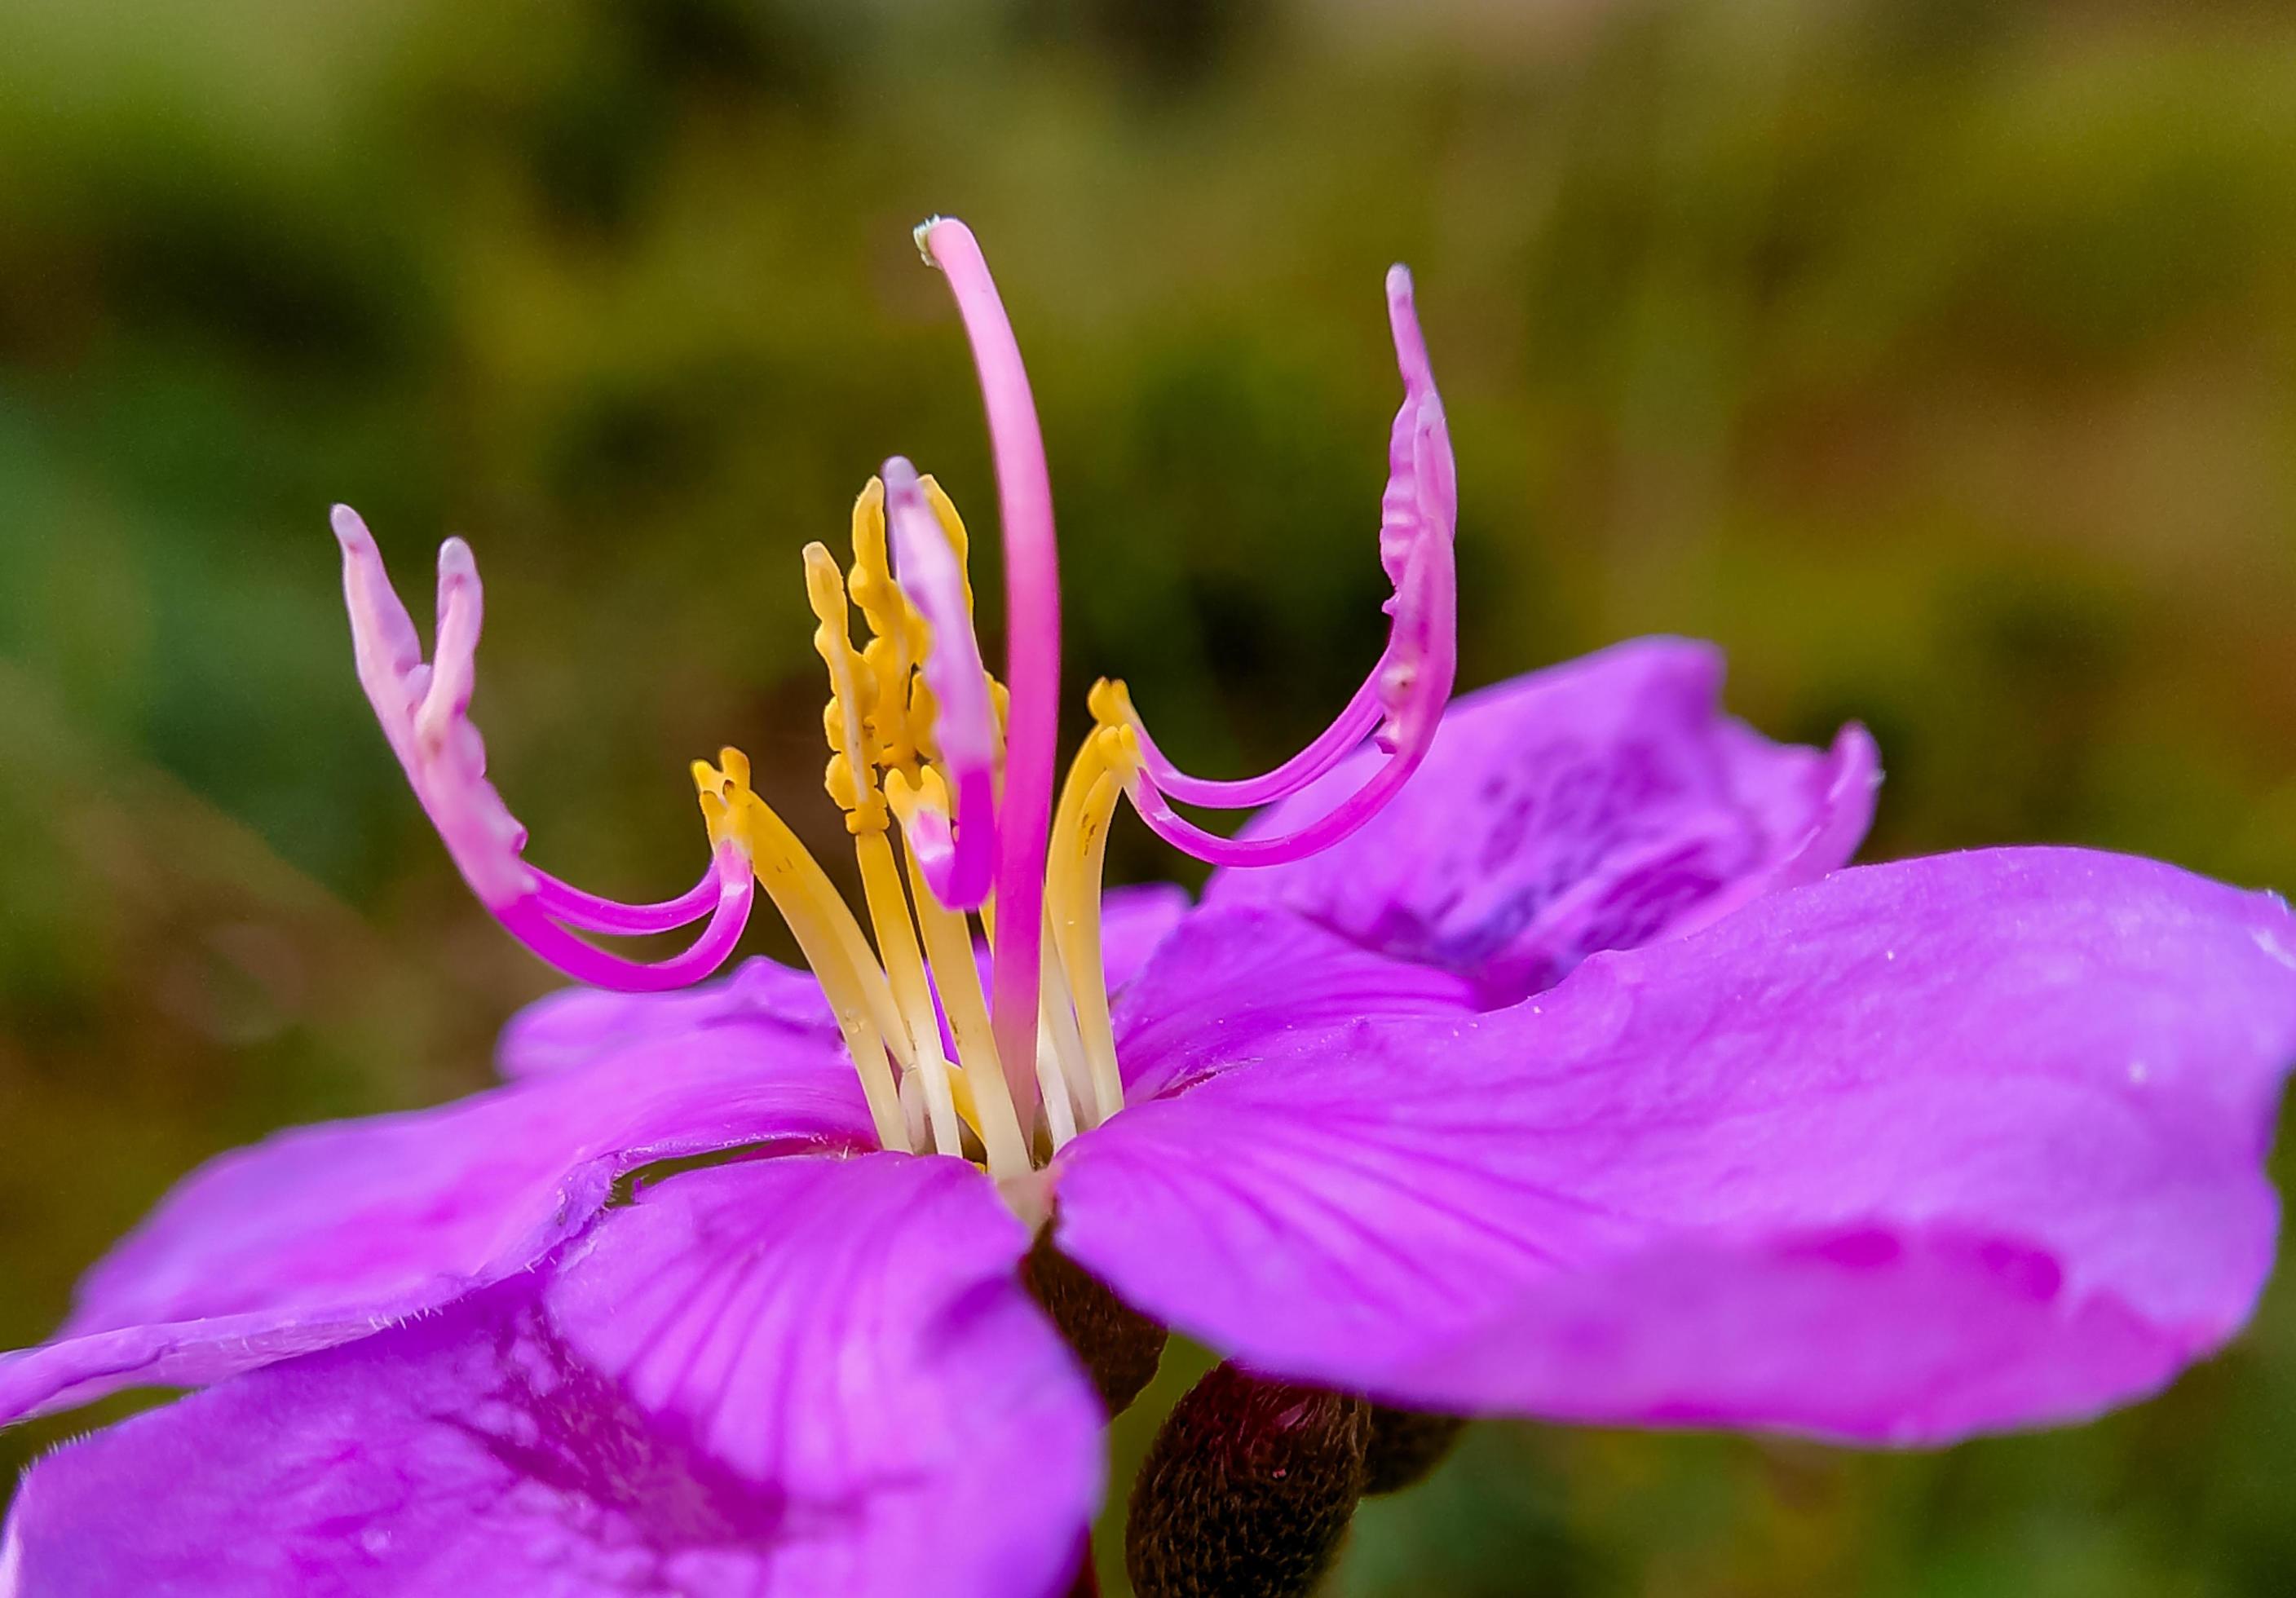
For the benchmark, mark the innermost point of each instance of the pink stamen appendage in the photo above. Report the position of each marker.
(958, 858)
(424, 711)
(1403, 697)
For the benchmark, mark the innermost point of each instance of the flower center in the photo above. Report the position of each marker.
(909, 736)
(924, 740)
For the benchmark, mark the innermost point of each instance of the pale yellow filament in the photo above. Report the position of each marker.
(824, 929)
(1062, 1073)
(904, 968)
(1072, 878)
(1064, 1086)
(948, 946)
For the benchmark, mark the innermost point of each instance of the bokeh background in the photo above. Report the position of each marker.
(1938, 356)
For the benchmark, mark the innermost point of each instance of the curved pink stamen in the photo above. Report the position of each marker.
(1330, 828)
(1350, 727)
(1414, 716)
(1418, 511)
(424, 711)
(736, 887)
(957, 859)
(1032, 653)
(562, 901)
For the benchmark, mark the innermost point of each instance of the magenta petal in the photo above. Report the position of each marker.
(1227, 978)
(328, 1232)
(466, 1452)
(819, 1376)
(1596, 805)
(2064, 1060)
(1904, 1336)
(854, 1333)
(1134, 924)
(576, 1026)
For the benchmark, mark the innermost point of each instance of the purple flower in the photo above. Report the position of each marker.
(1534, 1057)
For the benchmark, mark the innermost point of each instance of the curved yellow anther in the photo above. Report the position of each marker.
(1110, 701)
(909, 793)
(923, 710)
(1073, 869)
(850, 979)
(718, 786)
(952, 525)
(710, 786)
(852, 777)
(897, 634)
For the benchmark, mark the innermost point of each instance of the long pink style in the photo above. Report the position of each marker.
(1032, 645)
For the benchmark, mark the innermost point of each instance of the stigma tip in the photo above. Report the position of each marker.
(923, 236)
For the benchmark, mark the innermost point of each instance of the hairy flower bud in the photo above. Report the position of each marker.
(1247, 1490)
(1119, 1347)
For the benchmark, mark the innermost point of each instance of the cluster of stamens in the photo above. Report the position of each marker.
(886, 764)
(925, 742)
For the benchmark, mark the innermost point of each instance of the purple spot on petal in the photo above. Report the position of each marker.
(2033, 1272)
(1866, 1250)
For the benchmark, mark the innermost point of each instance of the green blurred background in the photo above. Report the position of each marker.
(1935, 356)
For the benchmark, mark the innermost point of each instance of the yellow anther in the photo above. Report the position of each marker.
(837, 777)
(845, 719)
(886, 664)
(892, 1002)
(1118, 748)
(724, 790)
(872, 576)
(1109, 702)
(923, 711)
(909, 794)
(897, 634)
(952, 525)
(710, 786)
